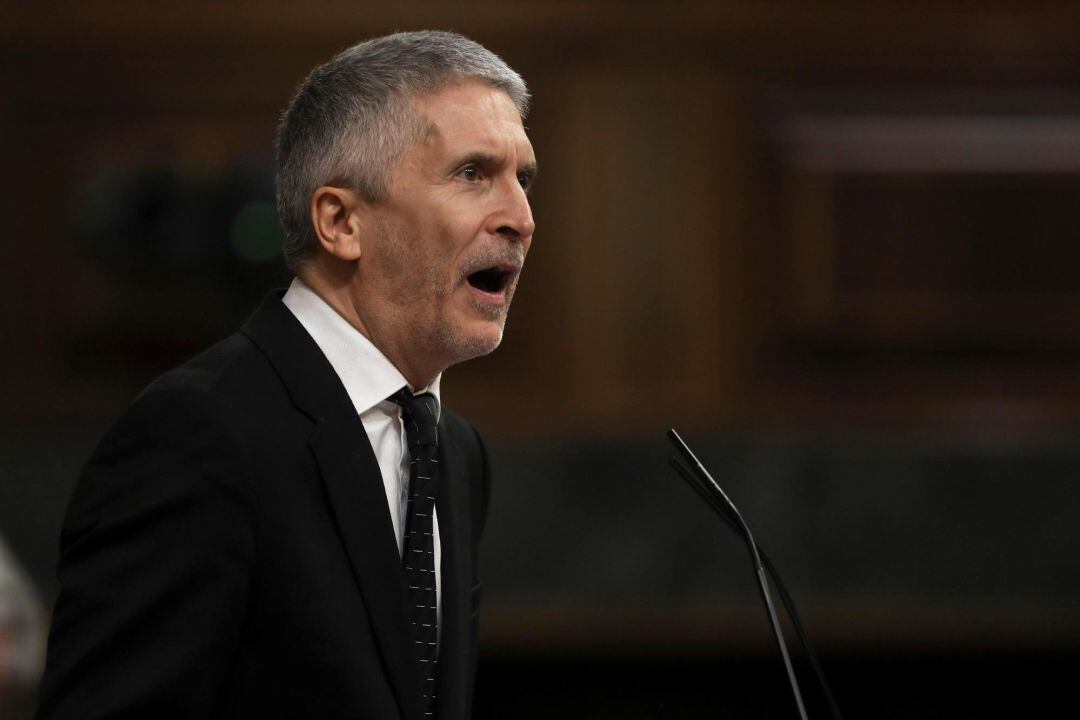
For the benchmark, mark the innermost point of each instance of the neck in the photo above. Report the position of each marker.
(337, 289)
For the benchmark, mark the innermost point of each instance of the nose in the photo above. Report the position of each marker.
(513, 218)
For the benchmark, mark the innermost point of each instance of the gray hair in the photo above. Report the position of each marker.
(352, 119)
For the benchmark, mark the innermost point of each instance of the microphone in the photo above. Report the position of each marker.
(714, 496)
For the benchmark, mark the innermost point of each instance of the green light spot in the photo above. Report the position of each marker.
(255, 234)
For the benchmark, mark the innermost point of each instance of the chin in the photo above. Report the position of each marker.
(461, 344)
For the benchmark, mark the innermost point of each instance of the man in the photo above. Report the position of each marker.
(255, 537)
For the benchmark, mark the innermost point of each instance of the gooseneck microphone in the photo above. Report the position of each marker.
(714, 496)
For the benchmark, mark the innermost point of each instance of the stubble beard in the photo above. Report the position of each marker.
(462, 346)
(443, 338)
(458, 344)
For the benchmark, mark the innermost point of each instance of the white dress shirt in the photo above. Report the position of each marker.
(369, 378)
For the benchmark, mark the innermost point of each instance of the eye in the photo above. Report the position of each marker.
(526, 180)
(470, 173)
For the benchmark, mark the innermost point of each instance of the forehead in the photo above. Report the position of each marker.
(472, 113)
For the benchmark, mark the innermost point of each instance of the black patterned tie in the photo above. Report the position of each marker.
(418, 556)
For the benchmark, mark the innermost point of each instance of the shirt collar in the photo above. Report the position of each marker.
(368, 376)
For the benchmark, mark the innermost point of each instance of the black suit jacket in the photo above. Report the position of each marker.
(228, 551)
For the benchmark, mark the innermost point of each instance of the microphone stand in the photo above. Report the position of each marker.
(714, 496)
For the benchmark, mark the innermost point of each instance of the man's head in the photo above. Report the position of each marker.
(402, 172)
(353, 117)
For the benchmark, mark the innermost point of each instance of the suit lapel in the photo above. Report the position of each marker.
(353, 485)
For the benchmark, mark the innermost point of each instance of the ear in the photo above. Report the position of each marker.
(337, 215)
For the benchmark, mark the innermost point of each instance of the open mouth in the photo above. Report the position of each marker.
(491, 280)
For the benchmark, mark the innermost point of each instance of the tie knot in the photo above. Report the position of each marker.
(419, 413)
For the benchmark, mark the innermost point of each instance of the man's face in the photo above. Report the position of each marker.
(452, 235)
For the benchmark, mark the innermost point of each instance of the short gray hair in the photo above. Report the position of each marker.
(352, 119)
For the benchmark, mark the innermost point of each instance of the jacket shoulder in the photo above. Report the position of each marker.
(216, 368)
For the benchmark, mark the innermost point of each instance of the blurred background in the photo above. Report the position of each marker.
(833, 243)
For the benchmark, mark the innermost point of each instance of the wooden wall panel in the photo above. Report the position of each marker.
(645, 225)
(671, 274)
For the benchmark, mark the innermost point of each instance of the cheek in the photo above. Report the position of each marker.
(459, 228)
(451, 247)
